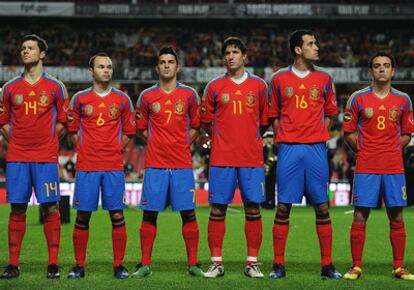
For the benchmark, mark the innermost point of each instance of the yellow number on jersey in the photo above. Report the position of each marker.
(32, 106)
(301, 104)
(169, 112)
(100, 121)
(235, 103)
(381, 123)
(51, 187)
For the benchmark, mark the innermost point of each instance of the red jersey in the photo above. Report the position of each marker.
(379, 123)
(101, 122)
(168, 118)
(236, 112)
(301, 104)
(32, 110)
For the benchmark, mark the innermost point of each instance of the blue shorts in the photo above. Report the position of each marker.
(21, 177)
(223, 180)
(302, 169)
(369, 187)
(168, 186)
(89, 184)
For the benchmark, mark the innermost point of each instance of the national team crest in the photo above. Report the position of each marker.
(289, 92)
(18, 99)
(315, 93)
(394, 114)
(43, 99)
(113, 111)
(88, 110)
(369, 112)
(179, 107)
(250, 99)
(225, 98)
(347, 117)
(156, 107)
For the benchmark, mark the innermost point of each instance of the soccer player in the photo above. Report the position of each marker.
(168, 118)
(32, 113)
(303, 101)
(235, 108)
(378, 123)
(101, 121)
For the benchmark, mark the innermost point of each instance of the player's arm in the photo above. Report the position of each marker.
(194, 133)
(405, 139)
(351, 140)
(74, 137)
(5, 132)
(275, 125)
(126, 139)
(328, 122)
(61, 130)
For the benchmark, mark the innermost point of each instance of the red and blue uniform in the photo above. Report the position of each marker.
(100, 122)
(301, 105)
(379, 122)
(236, 113)
(168, 117)
(32, 111)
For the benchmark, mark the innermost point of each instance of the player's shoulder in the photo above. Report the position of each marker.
(186, 88)
(53, 79)
(399, 93)
(281, 72)
(82, 93)
(147, 91)
(256, 78)
(119, 92)
(12, 81)
(323, 71)
(216, 81)
(356, 94)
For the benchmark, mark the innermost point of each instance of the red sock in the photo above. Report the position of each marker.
(358, 233)
(216, 231)
(280, 234)
(17, 229)
(253, 231)
(51, 228)
(80, 243)
(148, 232)
(324, 232)
(397, 237)
(119, 240)
(190, 235)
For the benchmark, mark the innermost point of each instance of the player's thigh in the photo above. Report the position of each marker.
(221, 184)
(366, 190)
(87, 188)
(252, 184)
(182, 189)
(155, 189)
(290, 173)
(18, 182)
(316, 172)
(45, 178)
(394, 190)
(113, 190)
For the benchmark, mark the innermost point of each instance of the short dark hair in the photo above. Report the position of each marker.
(296, 39)
(167, 50)
(234, 41)
(92, 59)
(40, 41)
(382, 53)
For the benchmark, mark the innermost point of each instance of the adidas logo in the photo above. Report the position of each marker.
(102, 105)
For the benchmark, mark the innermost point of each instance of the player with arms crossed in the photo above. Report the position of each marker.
(378, 123)
(32, 114)
(168, 118)
(303, 101)
(235, 115)
(101, 121)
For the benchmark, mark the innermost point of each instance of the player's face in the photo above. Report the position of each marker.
(382, 70)
(102, 70)
(309, 50)
(30, 52)
(167, 67)
(234, 59)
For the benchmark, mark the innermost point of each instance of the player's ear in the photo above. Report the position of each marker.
(91, 71)
(157, 69)
(178, 67)
(245, 58)
(42, 55)
(298, 50)
(393, 72)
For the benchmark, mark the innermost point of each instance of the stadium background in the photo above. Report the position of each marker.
(132, 31)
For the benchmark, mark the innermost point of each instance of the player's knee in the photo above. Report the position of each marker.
(150, 216)
(252, 211)
(82, 224)
(18, 208)
(117, 218)
(188, 216)
(49, 208)
(322, 209)
(218, 212)
(282, 214)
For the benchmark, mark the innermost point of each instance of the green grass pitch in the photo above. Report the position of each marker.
(169, 264)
